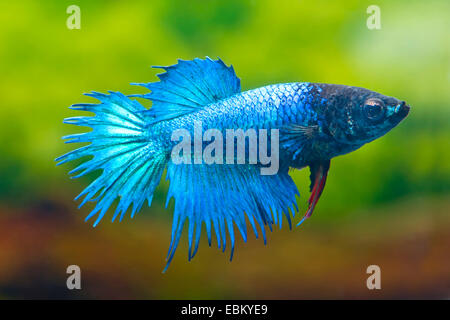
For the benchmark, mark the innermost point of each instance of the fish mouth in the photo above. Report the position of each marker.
(401, 111)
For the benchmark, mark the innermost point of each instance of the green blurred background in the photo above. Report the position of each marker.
(385, 204)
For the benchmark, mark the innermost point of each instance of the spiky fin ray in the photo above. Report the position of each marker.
(199, 192)
(132, 165)
(190, 85)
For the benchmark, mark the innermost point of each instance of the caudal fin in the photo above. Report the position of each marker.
(132, 164)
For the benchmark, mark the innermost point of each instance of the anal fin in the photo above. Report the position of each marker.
(224, 197)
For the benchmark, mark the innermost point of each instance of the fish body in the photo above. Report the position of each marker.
(270, 107)
(302, 124)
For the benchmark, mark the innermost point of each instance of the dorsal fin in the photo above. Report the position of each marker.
(188, 86)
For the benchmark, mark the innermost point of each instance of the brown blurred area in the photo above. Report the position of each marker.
(125, 260)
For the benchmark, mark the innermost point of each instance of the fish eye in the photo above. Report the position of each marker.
(374, 109)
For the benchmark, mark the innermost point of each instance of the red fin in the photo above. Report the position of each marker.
(319, 172)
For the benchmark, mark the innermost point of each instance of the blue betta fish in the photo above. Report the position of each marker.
(309, 124)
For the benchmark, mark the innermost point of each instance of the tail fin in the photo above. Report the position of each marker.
(132, 164)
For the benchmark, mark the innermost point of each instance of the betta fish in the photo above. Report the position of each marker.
(307, 124)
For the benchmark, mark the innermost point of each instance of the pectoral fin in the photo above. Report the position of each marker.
(319, 172)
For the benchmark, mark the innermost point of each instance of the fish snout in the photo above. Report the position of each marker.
(402, 110)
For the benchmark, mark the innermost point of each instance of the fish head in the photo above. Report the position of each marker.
(356, 116)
